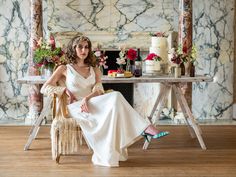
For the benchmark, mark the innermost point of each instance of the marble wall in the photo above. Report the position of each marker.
(14, 37)
(213, 29)
(120, 21)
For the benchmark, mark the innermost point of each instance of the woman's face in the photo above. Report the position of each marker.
(82, 50)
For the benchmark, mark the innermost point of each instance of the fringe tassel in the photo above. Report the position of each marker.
(64, 136)
(64, 131)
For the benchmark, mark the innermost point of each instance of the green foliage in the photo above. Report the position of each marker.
(47, 55)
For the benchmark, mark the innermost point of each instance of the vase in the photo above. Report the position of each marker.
(128, 66)
(177, 71)
(46, 72)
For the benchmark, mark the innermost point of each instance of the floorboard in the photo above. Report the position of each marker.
(175, 155)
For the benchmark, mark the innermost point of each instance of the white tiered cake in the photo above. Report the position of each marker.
(152, 66)
(159, 47)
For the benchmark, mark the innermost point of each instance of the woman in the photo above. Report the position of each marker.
(112, 124)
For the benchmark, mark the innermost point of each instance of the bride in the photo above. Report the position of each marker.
(112, 124)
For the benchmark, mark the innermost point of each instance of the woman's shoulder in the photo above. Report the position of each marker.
(98, 74)
(96, 69)
(62, 68)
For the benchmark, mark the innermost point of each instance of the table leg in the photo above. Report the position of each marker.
(162, 103)
(178, 97)
(161, 100)
(190, 117)
(38, 123)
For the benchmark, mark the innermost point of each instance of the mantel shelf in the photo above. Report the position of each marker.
(144, 79)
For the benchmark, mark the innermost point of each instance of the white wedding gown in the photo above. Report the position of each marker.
(112, 124)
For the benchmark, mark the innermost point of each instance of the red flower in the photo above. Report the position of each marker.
(153, 56)
(131, 54)
(176, 59)
(185, 49)
(120, 71)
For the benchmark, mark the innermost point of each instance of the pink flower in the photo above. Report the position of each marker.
(158, 34)
(100, 58)
(37, 44)
(97, 53)
(131, 54)
(52, 42)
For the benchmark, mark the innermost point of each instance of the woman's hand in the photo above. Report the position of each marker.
(84, 105)
(70, 96)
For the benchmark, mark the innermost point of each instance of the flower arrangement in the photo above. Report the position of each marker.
(121, 61)
(47, 54)
(101, 59)
(131, 55)
(158, 34)
(176, 57)
(153, 56)
(181, 56)
(126, 57)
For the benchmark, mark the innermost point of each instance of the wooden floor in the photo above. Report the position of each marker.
(175, 155)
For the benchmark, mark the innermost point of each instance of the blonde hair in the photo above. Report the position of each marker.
(71, 54)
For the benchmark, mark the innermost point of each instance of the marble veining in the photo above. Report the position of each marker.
(14, 37)
(118, 16)
(213, 35)
(213, 29)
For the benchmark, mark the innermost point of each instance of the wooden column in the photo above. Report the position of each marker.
(185, 40)
(35, 97)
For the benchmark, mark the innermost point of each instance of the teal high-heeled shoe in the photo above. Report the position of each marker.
(160, 134)
(156, 136)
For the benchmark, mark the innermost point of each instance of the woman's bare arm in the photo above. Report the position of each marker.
(58, 74)
(84, 104)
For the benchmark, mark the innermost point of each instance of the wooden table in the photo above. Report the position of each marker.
(168, 83)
